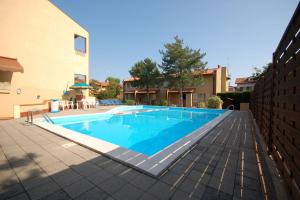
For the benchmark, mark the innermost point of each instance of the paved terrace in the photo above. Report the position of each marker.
(36, 164)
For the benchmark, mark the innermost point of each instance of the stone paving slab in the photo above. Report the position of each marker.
(36, 164)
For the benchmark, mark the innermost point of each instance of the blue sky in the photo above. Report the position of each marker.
(236, 33)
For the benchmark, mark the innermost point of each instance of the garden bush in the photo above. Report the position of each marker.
(130, 102)
(234, 98)
(214, 102)
(163, 102)
(202, 105)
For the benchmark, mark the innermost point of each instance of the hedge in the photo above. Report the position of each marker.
(234, 98)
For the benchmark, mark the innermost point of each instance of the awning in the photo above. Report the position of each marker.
(80, 86)
(10, 64)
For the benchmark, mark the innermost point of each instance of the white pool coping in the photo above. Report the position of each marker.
(153, 165)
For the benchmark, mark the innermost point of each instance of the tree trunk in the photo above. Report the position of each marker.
(148, 96)
(181, 97)
(181, 93)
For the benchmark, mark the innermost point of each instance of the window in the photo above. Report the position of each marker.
(79, 78)
(80, 43)
(5, 80)
(199, 97)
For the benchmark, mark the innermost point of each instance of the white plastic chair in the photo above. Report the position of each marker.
(63, 105)
(84, 104)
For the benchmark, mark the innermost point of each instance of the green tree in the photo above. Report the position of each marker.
(147, 74)
(179, 64)
(113, 86)
(113, 89)
(259, 71)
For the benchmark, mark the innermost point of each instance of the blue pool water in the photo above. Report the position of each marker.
(146, 132)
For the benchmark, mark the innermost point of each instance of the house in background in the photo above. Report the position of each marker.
(43, 53)
(215, 81)
(97, 86)
(244, 84)
(231, 89)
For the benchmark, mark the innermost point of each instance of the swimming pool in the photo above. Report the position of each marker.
(147, 131)
(143, 136)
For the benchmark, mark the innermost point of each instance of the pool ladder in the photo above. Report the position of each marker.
(47, 118)
(32, 111)
(230, 106)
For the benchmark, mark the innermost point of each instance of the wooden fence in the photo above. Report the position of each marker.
(275, 104)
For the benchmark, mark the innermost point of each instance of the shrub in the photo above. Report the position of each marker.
(106, 95)
(202, 105)
(214, 102)
(163, 102)
(234, 98)
(130, 102)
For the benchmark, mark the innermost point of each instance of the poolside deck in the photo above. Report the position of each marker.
(36, 164)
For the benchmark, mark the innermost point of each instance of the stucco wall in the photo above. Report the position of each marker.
(206, 87)
(224, 81)
(41, 37)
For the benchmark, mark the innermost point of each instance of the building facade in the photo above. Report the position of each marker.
(51, 49)
(215, 81)
(244, 84)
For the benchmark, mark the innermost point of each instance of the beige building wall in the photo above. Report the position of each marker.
(207, 86)
(218, 80)
(41, 37)
(224, 80)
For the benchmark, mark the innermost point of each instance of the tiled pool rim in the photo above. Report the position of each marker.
(153, 165)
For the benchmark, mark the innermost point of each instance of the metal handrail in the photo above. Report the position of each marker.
(230, 106)
(47, 118)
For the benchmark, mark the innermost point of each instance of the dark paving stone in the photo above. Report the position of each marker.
(247, 194)
(170, 178)
(78, 188)
(21, 196)
(180, 195)
(36, 182)
(183, 162)
(129, 174)
(214, 183)
(178, 169)
(160, 190)
(59, 195)
(198, 191)
(248, 183)
(147, 196)
(100, 160)
(93, 194)
(224, 196)
(66, 177)
(112, 185)
(115, 168)
(86, 169)
(128, 192)
(99, 177)
(210, 194)
(43, 190)
(143, 181)
(187, 185)
(11, 191)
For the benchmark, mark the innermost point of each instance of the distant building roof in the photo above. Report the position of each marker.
(99, 83)
(244, 80)
(210, 71)
(131, 79)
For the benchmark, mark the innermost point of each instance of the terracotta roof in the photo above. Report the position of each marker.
(244, 80)
(99, 83)
(209, 71)
(105, 84)
(10, 64)
(131, 79)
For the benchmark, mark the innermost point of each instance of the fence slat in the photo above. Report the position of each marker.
(275, 104)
